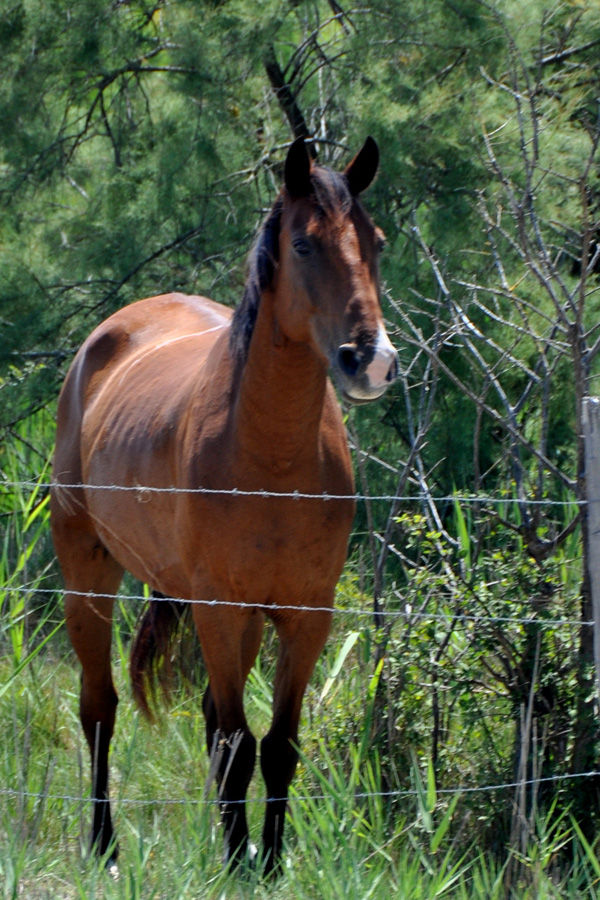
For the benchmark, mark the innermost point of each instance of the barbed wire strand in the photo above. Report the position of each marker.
(295, 798)
(351, 611)
(289, 495)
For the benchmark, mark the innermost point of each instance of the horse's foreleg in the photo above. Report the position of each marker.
(302, 637)
(234, 753)
(229, 648)
(251, 639)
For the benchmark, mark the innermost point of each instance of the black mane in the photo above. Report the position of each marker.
(331, 195)
(263, 258)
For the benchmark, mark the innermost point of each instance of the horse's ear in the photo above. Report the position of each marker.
(297, 169)
(361, 171)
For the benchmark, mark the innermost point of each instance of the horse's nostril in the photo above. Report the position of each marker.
(349, 359)
(392, 371)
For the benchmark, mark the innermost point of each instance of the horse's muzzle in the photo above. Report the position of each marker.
(365, 374)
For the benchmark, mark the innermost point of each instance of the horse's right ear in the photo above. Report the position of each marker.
(297, 170)
(363, 168)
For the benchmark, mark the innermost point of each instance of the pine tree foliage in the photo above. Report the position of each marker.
(141, 142)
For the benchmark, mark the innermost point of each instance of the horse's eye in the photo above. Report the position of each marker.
(301, 246)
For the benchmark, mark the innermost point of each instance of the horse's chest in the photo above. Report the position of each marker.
(270, 553)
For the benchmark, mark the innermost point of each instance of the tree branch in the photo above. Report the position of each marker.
(286, 98)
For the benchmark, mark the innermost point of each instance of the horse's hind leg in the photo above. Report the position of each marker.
(92, 578)
(301, 638)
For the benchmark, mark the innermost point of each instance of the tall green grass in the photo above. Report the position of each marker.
(27, 622)
(344, 839)
(356, 828)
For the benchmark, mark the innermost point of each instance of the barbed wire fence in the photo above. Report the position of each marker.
(144, 493)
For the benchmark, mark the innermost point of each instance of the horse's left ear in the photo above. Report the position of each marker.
(297, 169)
(361, 171)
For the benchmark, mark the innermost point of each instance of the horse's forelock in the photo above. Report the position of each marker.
(266, 250)
(331, 191)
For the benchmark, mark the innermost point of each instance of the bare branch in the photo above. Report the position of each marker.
(286, 98)
(561, 55)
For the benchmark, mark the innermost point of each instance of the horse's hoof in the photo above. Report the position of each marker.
(244, 860)
(106, 855)
(113, 870)
(272, 867)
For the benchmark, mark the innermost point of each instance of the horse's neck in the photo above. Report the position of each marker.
(281, 396)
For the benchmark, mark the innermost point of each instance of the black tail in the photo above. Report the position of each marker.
(151, 654)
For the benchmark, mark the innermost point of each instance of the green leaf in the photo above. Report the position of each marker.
(462, 532)
(345, 649)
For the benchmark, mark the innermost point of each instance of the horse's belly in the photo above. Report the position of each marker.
(135, 526)
(283, 559)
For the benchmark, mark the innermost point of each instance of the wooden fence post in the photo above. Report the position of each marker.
(591, 437)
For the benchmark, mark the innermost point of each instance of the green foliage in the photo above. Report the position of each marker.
(139, 149)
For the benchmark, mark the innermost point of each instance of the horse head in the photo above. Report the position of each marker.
(327, 272)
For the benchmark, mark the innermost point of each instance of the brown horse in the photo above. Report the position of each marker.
(175, 393)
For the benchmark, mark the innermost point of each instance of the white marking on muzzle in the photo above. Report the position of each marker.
(381, 371)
